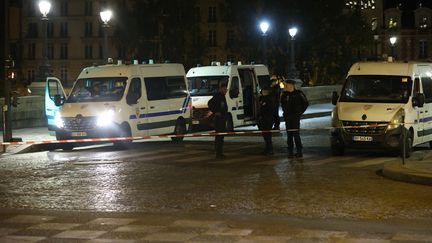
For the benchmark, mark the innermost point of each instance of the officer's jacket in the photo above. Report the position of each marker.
(218, 104)
(294, 103)
(267, 106)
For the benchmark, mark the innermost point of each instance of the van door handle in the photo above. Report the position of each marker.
(152, 107)
(426, 111)
(142, 108)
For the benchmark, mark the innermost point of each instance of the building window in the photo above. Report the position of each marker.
(64, 75)
(424, 23)
(32, 31)
(32, 10)
(230, 38)
(88, 8)
(423, 49)
(88, 52)
(212, 15)
(50, 29)
(64, 29)
(50, 51)
(64, 51)
(393, 23)
(31, 51)
(30, 75)
(88, 32)
(64, 8)
(212, 38)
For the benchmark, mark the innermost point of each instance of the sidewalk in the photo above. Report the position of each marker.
(418, 172)
(41, 133)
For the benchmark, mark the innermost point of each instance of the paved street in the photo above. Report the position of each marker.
(159, 189)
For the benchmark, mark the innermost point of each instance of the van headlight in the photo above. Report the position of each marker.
(397, 120)
(58, 121)
(105, 118)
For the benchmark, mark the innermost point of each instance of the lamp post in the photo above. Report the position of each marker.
(264, 26)
(393, 40)
(292, 72)
(105, 17)
(44, 68)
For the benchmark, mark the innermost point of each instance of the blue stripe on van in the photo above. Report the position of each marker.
(164, 113)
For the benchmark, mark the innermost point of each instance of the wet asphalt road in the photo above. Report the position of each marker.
(161, 176)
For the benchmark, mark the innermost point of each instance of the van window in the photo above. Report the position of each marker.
(176, 87)
(264, 81)
(134, 92)
(54, 88)
(376, 88)
(156, 88)
(206, 85)
(235, 84)
(427, 88)
(98, 89)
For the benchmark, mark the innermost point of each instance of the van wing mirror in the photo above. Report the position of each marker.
(234, 93)
(132, 99)
(58, 100)
(419, 100)
(335, 97)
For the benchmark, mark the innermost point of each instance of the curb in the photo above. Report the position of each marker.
(397, 171)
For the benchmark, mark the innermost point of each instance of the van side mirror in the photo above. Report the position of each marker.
(58, 100)
(335, 97)
(418, 100)
(234, 93)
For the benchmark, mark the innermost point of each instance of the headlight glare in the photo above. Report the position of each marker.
(58, 121)
(105, 118)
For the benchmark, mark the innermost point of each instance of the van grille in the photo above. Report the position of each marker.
(375, 130)
(79, 123)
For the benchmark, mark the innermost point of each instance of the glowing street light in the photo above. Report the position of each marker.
(264, 26)
(105, 17)
(393, 41)
(292, 73)
(44, 8)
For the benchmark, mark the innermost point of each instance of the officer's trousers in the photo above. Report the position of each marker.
(220, 126)
(293, 122)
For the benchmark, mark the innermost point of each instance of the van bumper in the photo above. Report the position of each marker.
(105, 132)
(390, 139)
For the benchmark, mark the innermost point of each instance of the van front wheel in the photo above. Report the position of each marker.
(180, 129)
(125, 131)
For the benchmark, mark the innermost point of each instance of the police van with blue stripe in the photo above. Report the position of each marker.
(118, 100)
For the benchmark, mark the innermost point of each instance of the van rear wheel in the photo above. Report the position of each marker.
(180, 129)
(229, 124)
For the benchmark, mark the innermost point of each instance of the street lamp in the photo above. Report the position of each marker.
(393, 40)
(292, 72)
(44, 8)
(264, 26)
(105, 17)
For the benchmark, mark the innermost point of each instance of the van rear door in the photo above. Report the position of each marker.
(53, 90)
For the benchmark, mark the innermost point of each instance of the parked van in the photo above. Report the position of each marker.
(381, 104)
(120, 101)
(244, 83)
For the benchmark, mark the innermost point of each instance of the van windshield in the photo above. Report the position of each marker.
(97, 90)
(205, 86)
(377, 89)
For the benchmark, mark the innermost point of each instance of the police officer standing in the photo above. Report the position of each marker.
(276, 92)
(294, 104)
(218, 106)
(266, 118)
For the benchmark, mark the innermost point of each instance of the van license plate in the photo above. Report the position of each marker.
(79, 134)
(362, 138)
(195, 122)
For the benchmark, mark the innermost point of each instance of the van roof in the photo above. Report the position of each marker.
(385, 68)
(224, 70)
(149, 70)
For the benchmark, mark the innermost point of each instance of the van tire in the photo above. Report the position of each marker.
(125, 131)
(336, 146)
(408, 144)
(179, 129)
(229, 124)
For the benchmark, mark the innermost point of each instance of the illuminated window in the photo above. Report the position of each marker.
(392, 23)
(424, 23)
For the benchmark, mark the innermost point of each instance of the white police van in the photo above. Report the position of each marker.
(120, 101)
(382, 103)
(243, 82)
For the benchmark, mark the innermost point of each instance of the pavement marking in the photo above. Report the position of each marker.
(112, 221)
(369, 162)
(197, 223)
(172, 237)
(19, 238)
(412, 237)
(29, 219)
(322, 234)
(229, 232)
(80, 234)
(330, 159)
(140, 228)
(54, 226)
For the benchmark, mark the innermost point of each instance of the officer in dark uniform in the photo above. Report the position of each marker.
(266, 119)
(218, 106)
(276, 92)
(294, 104)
